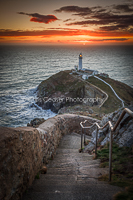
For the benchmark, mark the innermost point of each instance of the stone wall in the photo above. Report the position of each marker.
(20, 159)
(24, 150)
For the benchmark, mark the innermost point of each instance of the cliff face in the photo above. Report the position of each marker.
(52, 93)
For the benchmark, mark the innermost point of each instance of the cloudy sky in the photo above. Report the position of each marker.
(66, 21)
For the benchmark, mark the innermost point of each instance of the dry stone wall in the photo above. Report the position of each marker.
(24, 151)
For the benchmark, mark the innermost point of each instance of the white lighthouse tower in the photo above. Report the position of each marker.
(80, 61)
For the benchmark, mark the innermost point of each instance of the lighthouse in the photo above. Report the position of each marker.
(80, 61)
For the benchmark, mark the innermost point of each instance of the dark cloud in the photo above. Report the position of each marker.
(81, 11)
(96, 7)
(116, 39)
(88, 22)
(109, 28)
(114, 22)
(107, 19)
(114, 17)
(84, 11)
(109, 39)
(67, 20)
(75, 9)
(101, 10)
(124, 8)
(113, 28)
(35, 17)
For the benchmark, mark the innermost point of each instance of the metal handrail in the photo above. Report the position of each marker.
(126, 110)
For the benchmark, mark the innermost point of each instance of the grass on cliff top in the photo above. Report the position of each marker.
(122, 167)
(113, 103)
(124, 91)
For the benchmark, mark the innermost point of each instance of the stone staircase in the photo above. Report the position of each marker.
(71, 176)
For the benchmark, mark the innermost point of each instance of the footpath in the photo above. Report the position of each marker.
(71, 176)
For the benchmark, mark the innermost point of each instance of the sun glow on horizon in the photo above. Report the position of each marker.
(68, 24)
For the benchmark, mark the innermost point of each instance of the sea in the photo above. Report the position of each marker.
(23, 68)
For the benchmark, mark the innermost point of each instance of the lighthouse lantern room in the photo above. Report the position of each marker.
(80, 61)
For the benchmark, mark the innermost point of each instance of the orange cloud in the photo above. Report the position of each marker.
(65, 34)
(40, 18)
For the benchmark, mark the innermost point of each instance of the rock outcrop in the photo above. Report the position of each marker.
(53, 92)
(123, 135)
(63, 89)
(36, 122)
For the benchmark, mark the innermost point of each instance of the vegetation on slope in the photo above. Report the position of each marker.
(122, 168)
(124, 91)
(113, 103)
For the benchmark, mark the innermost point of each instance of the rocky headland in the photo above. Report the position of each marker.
(67, 92)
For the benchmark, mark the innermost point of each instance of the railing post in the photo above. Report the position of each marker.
(84, 135)
(110, 156)
(96, 140)
(81, 138)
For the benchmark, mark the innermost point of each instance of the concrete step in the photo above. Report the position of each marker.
(60, 171)
(82, 195)
(73, 156)
(72, 152)
(71, 191)
(66, 151)
(73, 162)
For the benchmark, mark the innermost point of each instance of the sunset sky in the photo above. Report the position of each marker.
(66, 22)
